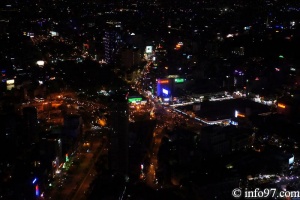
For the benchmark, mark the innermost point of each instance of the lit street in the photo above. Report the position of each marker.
(80, 174)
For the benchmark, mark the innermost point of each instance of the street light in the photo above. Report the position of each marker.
(227, 77)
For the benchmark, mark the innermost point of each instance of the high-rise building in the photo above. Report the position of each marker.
(112, 42)
(51, 153)
(30, 125)
(72, 131)
(130, 57)
(118, 139)
(73, 125)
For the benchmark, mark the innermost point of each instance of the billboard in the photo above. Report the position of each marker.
(54, 33)
(179, 80)
(163, 81)
(10, 82)
(40, 63)
(148, 49)
(166, 92)
(134, 99)
(163, 88)
(291, 160)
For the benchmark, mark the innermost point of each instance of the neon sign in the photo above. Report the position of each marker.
(179, 80)
(163, 81)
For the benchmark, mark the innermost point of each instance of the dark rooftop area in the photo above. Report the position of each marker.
(217, 110)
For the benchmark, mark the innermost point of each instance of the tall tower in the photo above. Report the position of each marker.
(30, 125)
(118, 139)
(112, 41)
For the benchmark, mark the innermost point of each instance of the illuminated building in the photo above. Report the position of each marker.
(112, 42)
(159, 53)
(165, 88)
(51, 153)
(222, 112)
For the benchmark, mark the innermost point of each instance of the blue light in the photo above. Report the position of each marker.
(165, 91)
(37, 191)
(34, 180)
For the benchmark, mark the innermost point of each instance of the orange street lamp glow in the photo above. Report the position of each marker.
(240, 115)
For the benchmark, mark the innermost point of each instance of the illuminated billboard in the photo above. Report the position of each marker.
(163, 81)
(148, 49)
(179, 80)
(10, 82)
(40, 63)
(291, 160)
(54, 33)
(166, 92)
(134, 99)
(163, 88)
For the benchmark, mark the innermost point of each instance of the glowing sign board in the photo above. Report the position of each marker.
(291, 160)
(10, 82)
(165, 91)
(135, 99)
(148, 49)
(179, 80)
(163, 81)
(40, 63)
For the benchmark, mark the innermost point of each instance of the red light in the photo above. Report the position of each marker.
(37, 192)
(163, 81)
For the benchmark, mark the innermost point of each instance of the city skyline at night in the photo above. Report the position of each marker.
(158, 99)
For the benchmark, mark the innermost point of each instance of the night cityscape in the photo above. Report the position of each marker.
(143, 100)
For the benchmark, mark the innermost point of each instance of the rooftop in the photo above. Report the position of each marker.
(219, 110)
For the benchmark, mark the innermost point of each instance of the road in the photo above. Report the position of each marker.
(168, 118)
(89, 177)
(151, 173)
(73, 181)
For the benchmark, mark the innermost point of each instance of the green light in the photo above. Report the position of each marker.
(134, 99)
(67, 158)
(179, 80)
(281, 56)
